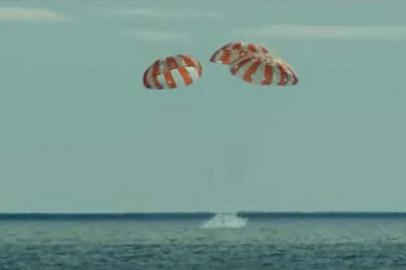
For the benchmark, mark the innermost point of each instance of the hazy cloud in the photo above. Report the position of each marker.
(169, 14)
(30, 14)
(292, 31)
(158, 35)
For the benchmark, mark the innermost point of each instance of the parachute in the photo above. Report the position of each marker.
(172, 72)
(234, 50)
(254, 63)
(250, 62)
(263, 69)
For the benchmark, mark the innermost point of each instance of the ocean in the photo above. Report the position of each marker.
(249, 241)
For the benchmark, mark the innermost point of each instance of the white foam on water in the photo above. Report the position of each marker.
(225, 220)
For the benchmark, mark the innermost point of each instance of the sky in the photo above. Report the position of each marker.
(80, 133)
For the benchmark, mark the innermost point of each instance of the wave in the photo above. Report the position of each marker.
(225, 220)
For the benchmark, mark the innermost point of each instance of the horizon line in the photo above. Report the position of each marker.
(196, 215)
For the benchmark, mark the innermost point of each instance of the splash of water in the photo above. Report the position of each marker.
(225, 220)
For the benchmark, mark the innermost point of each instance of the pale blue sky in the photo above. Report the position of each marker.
(79, 133)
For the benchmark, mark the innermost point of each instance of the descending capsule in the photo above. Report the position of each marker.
(234, 50)
(264, 69)
(172, 72)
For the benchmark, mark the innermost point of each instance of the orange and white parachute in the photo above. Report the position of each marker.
(234, 50)
(172, 72)
(263, 69)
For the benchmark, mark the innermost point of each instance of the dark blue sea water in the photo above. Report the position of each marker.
(203, 241)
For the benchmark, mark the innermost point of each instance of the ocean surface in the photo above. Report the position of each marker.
(203, 241)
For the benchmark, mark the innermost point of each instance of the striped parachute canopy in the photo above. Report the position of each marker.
(263, 69)
(172, 72)
(234, 50)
